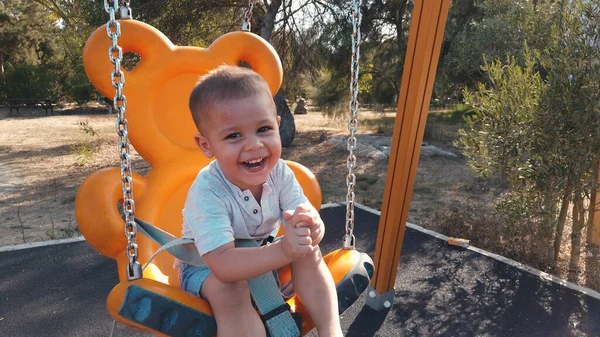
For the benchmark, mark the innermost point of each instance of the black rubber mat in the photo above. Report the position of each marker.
(440, 290)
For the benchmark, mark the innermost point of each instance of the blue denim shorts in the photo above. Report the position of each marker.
(191, 279)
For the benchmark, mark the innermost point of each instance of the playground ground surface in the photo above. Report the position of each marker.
(440, 290)
(43, 159)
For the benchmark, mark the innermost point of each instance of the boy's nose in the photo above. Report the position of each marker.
(254, 144)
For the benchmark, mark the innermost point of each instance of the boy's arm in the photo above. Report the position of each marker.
(231, 264)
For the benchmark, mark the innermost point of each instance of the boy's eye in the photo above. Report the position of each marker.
(264, 129)
(233, 136)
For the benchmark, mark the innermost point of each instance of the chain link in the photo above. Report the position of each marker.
(246, 25)
(349, 239)
(115, 55)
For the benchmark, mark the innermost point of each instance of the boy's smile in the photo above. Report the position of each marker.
(243, 135)
(255, 165)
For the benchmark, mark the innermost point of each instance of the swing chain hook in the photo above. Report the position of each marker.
(349, 239)
(246, 25)
(115, 54)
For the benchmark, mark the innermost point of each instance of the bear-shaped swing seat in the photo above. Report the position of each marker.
(161, 129)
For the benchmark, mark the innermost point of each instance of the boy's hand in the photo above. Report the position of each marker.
(317, 231)
(306, 216)
(297, 241)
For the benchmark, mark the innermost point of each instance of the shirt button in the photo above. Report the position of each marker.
(246, 198)
(255, 211)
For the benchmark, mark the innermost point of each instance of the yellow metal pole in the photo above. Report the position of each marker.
(424, 43)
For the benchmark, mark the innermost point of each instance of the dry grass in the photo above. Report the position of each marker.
(370, 122)
(42, 162)
(328, 163)
(44, 159)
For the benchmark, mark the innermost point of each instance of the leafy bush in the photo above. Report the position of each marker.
(87, 128)
(499, 130)
(83, 153)
(79, 88)
(47, 81)
(30, 81)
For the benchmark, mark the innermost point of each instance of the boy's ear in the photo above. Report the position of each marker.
(204, 145)
(278, 120)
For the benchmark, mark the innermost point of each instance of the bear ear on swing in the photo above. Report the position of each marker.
(237, 47)
(137, 37)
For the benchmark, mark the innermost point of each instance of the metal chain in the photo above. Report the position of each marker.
(349, 239)
(115, 54)
(246, 25)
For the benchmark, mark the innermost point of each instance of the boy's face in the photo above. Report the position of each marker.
(243, 135)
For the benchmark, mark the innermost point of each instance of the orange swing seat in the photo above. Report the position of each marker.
(161, 130)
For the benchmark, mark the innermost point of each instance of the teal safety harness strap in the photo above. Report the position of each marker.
(182, 248)
(279, 321)
(264, 288)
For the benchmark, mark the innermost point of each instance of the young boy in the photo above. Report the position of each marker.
(243, 194)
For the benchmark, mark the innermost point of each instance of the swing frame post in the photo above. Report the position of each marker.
(420, 65)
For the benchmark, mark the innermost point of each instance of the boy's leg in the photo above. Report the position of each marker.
(314, 284)
(232, 308)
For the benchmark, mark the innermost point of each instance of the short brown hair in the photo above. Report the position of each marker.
(222, 84)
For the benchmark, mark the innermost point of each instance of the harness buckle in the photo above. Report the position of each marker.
(280, 309)
(268, 240)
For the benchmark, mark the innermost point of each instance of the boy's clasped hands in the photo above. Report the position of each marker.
(304, 230)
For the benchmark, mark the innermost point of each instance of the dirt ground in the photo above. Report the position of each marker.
(43, 159)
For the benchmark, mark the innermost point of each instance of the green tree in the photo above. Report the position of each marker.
(538, 125)
(27, 34)
(569, 114)
(384, 33)
(492, 29)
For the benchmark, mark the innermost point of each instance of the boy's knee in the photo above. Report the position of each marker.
(237, 289)
(236, 293)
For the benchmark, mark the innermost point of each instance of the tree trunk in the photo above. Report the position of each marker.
(548, 224)
(593, 230)
(2, 69)
(268, 21)
(287, 129)
(591, 214)
(578, 221)
(560, 226)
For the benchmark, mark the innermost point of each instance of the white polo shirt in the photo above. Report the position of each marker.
(217, 212)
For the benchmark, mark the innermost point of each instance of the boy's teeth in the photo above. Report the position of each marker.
(254, 161)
